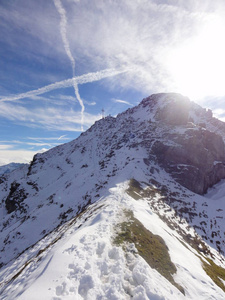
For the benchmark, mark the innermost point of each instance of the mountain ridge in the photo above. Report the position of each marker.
(4, 169)
(123, 162)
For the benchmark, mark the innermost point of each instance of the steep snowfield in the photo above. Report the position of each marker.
(61, 216)
(85, 264)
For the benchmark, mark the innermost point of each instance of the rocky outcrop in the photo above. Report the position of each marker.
(184, 142)
(195, 158)
(175, 112)
(15, 198)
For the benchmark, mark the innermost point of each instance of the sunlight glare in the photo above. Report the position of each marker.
(197, 67)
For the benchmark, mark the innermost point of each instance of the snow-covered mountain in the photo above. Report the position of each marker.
(132, 209)
(9, 168)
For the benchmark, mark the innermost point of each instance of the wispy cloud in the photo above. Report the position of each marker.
(39, 144)
(63, 25)
(121, 101)
(17, 156)
(32, 144)
(63, 30)
(90, 103)
(144, 32)
(50, 118)
(60, 99)
(62, 137)
(90, 77)
(10, 153)
(5, 147)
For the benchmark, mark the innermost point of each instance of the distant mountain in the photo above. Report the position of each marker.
(132, 209)
(10, 167)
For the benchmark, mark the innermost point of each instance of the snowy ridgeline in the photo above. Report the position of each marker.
(89, 219)
(85, 263)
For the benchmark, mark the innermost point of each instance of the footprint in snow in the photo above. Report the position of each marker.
(100, 248)
(86, 283)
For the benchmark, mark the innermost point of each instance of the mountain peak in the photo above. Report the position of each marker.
(80, 218)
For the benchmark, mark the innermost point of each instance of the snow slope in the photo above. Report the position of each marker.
(85, 264)
(61, 217)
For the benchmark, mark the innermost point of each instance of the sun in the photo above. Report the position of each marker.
(197, 67)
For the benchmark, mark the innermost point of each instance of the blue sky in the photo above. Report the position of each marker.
(62, 61)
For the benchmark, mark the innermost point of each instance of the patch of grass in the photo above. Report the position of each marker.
(134, 189)
(151, 247)
(215, 272)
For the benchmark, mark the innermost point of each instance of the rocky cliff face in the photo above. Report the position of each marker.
(195, 158)
(195, 161)
(192, 154)
(175, 111)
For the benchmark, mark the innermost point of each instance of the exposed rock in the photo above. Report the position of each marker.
(15, 198)
(195, 159)
(174, 113)
(209, 114)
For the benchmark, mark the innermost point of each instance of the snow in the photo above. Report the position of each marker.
(5, 169)
(84, 263)
(61, 246)
(217, 192)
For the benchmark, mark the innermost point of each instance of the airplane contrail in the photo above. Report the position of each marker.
(63, 24)
(86, 78)
(62, 136)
